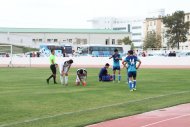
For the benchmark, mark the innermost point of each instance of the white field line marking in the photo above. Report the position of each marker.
(162, 121)
(90, 109)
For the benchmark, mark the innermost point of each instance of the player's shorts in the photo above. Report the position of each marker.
(132, 74)
(116, 67)
(83, 78)
(53, 68)
(66, 69)
(107, 78)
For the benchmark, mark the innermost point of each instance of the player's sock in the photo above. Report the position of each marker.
(62, 79)
(130, 84)
(127, 80)
(119, 77)
(114, 77)
(134, 81)
(66, 80)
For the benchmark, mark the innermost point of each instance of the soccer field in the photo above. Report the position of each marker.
(27, 101)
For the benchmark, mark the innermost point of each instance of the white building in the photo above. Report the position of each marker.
(137, 29)
(133, 25)
(34, 37)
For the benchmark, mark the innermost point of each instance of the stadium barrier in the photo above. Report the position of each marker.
(86, 61)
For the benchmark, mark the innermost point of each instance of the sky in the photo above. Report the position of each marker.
(75, 13)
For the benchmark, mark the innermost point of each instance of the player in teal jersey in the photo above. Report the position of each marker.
(116, 64)
(131, 61)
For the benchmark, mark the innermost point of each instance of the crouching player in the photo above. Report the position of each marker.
(81, 77)
(64, 69)
(103, 75)
(131, 61)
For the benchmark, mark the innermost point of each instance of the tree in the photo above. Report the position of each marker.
(125, 41)
(177, 28)
(152, 41)
(132, 46)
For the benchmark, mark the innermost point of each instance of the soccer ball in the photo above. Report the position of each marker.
(84, 83)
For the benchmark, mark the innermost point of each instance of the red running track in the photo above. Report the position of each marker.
(178, 116)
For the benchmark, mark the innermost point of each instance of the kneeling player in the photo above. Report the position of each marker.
(64, 69)
(103, 75)
(81, 77)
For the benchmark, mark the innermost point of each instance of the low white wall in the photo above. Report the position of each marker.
(94, 61)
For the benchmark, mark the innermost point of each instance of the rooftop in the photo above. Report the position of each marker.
(59, 30)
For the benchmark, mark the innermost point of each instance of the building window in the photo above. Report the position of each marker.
(40, 40)
(188, 18)
(113, 41)
(48, 40)
(70, 40)
(55, 40)
(119, 28)
(129, 28)
(33, 40)
(136, 40)
(150, 23)
(107, 41)
(136, 34)
(136, 27)
(85, 41)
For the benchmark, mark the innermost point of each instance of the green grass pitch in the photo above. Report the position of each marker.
(27, 101)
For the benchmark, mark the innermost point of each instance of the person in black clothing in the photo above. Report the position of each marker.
(63, 52)
(53, 67)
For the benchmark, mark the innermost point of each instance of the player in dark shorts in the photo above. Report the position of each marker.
(116, 64)
(103, 75)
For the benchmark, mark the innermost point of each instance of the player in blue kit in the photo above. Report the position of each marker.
(116, 64)
(103, 75)
(131, 61)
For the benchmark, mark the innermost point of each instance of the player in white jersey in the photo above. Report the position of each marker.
(64, 69)
(81, 77)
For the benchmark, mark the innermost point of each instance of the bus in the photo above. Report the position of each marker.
(60, 50)
(100, 50)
